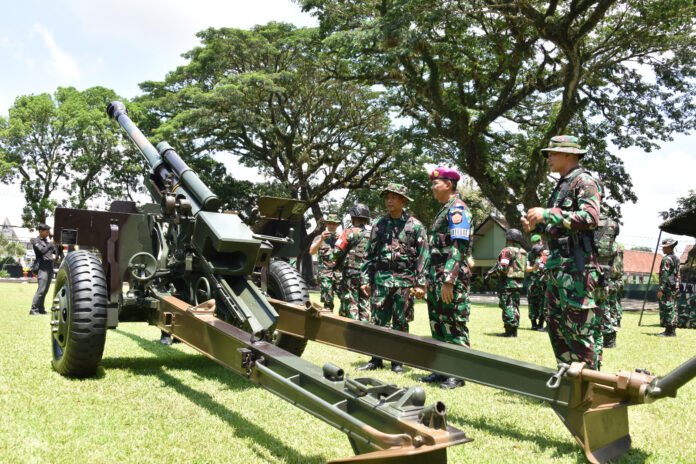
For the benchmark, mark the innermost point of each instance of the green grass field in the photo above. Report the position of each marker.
(155, 404)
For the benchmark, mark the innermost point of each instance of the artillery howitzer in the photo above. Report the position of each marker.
(189, 271)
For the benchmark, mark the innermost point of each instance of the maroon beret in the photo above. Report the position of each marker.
(444, 173)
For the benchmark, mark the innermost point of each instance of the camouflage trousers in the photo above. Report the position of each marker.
(687, 311)
(574, 320)
(509, 302)
(354, 304)
(606, 299)
(327, 282)
(535, 297)
(392, 307)
(668, 310)
(448, 320)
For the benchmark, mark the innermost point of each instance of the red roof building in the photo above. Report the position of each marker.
(637, 265)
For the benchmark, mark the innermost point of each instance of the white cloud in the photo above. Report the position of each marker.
(171, 25)
(64, 66)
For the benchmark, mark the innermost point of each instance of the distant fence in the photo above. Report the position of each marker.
(637, 291)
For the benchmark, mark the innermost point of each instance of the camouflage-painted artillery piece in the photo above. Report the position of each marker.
(189, 271)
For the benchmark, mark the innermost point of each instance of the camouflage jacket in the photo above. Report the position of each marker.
(349, 253)
(397, 253)
(571, 213)
(669, 272)
(449, 242)
(512, 264)
(324, 255)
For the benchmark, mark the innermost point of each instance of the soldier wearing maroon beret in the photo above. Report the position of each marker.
(449, 273)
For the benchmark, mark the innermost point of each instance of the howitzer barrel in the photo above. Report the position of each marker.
(164, 161)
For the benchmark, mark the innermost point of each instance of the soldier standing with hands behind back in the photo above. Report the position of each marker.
(45, 253)
(571, 213)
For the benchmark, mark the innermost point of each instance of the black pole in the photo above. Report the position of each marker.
(647, 287)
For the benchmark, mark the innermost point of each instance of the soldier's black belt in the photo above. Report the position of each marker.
(390, 266)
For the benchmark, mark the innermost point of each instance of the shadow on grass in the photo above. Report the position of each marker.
(565, 448)
(207, 369)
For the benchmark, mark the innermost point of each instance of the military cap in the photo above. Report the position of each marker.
(669, 242)
(564, 144)
(43, 226)
(332, 217)
(535, 238)
(399, 189)
(445, 173)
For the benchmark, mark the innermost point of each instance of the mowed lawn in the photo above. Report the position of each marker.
(156, 404)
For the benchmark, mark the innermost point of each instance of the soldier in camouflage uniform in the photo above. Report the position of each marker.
(618, 281)
(450, 271)
(687, 293)
(571, 213)
(324, 245)
(606, 290)
(510, 268)
(349, 255)
(537, 286)
(669, 288)
(395, 264)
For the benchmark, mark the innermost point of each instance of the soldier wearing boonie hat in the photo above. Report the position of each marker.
(669, 288)
(323, 245)
(572, 267)
(449, 271)
(395, 266)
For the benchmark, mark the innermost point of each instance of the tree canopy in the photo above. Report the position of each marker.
(487, 84)
(61, 143)
(263, 96)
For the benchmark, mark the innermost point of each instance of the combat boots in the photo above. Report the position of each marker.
(670, 331)
(534, 324)
(397, 367)
(433, 377)
(451, 382)
(372, 364)
(609, 340)
(540, 326)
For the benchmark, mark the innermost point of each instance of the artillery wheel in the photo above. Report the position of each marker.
(285, 283)
(78, 316)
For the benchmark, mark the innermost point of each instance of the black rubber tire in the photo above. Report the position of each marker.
(285, 283)
(79, 323)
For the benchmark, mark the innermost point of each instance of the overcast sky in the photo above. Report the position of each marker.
(84, 43)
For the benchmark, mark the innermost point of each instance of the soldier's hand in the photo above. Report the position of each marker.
(365, 289)
(447, 293)
(419, 292)
(659, 294)
(534, 216)
(325, 234)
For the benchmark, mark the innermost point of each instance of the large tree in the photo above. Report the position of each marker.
(263, 96)
(488, 83)
(61, 145)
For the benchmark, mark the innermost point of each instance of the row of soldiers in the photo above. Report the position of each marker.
(402, 261)
(382, 269)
